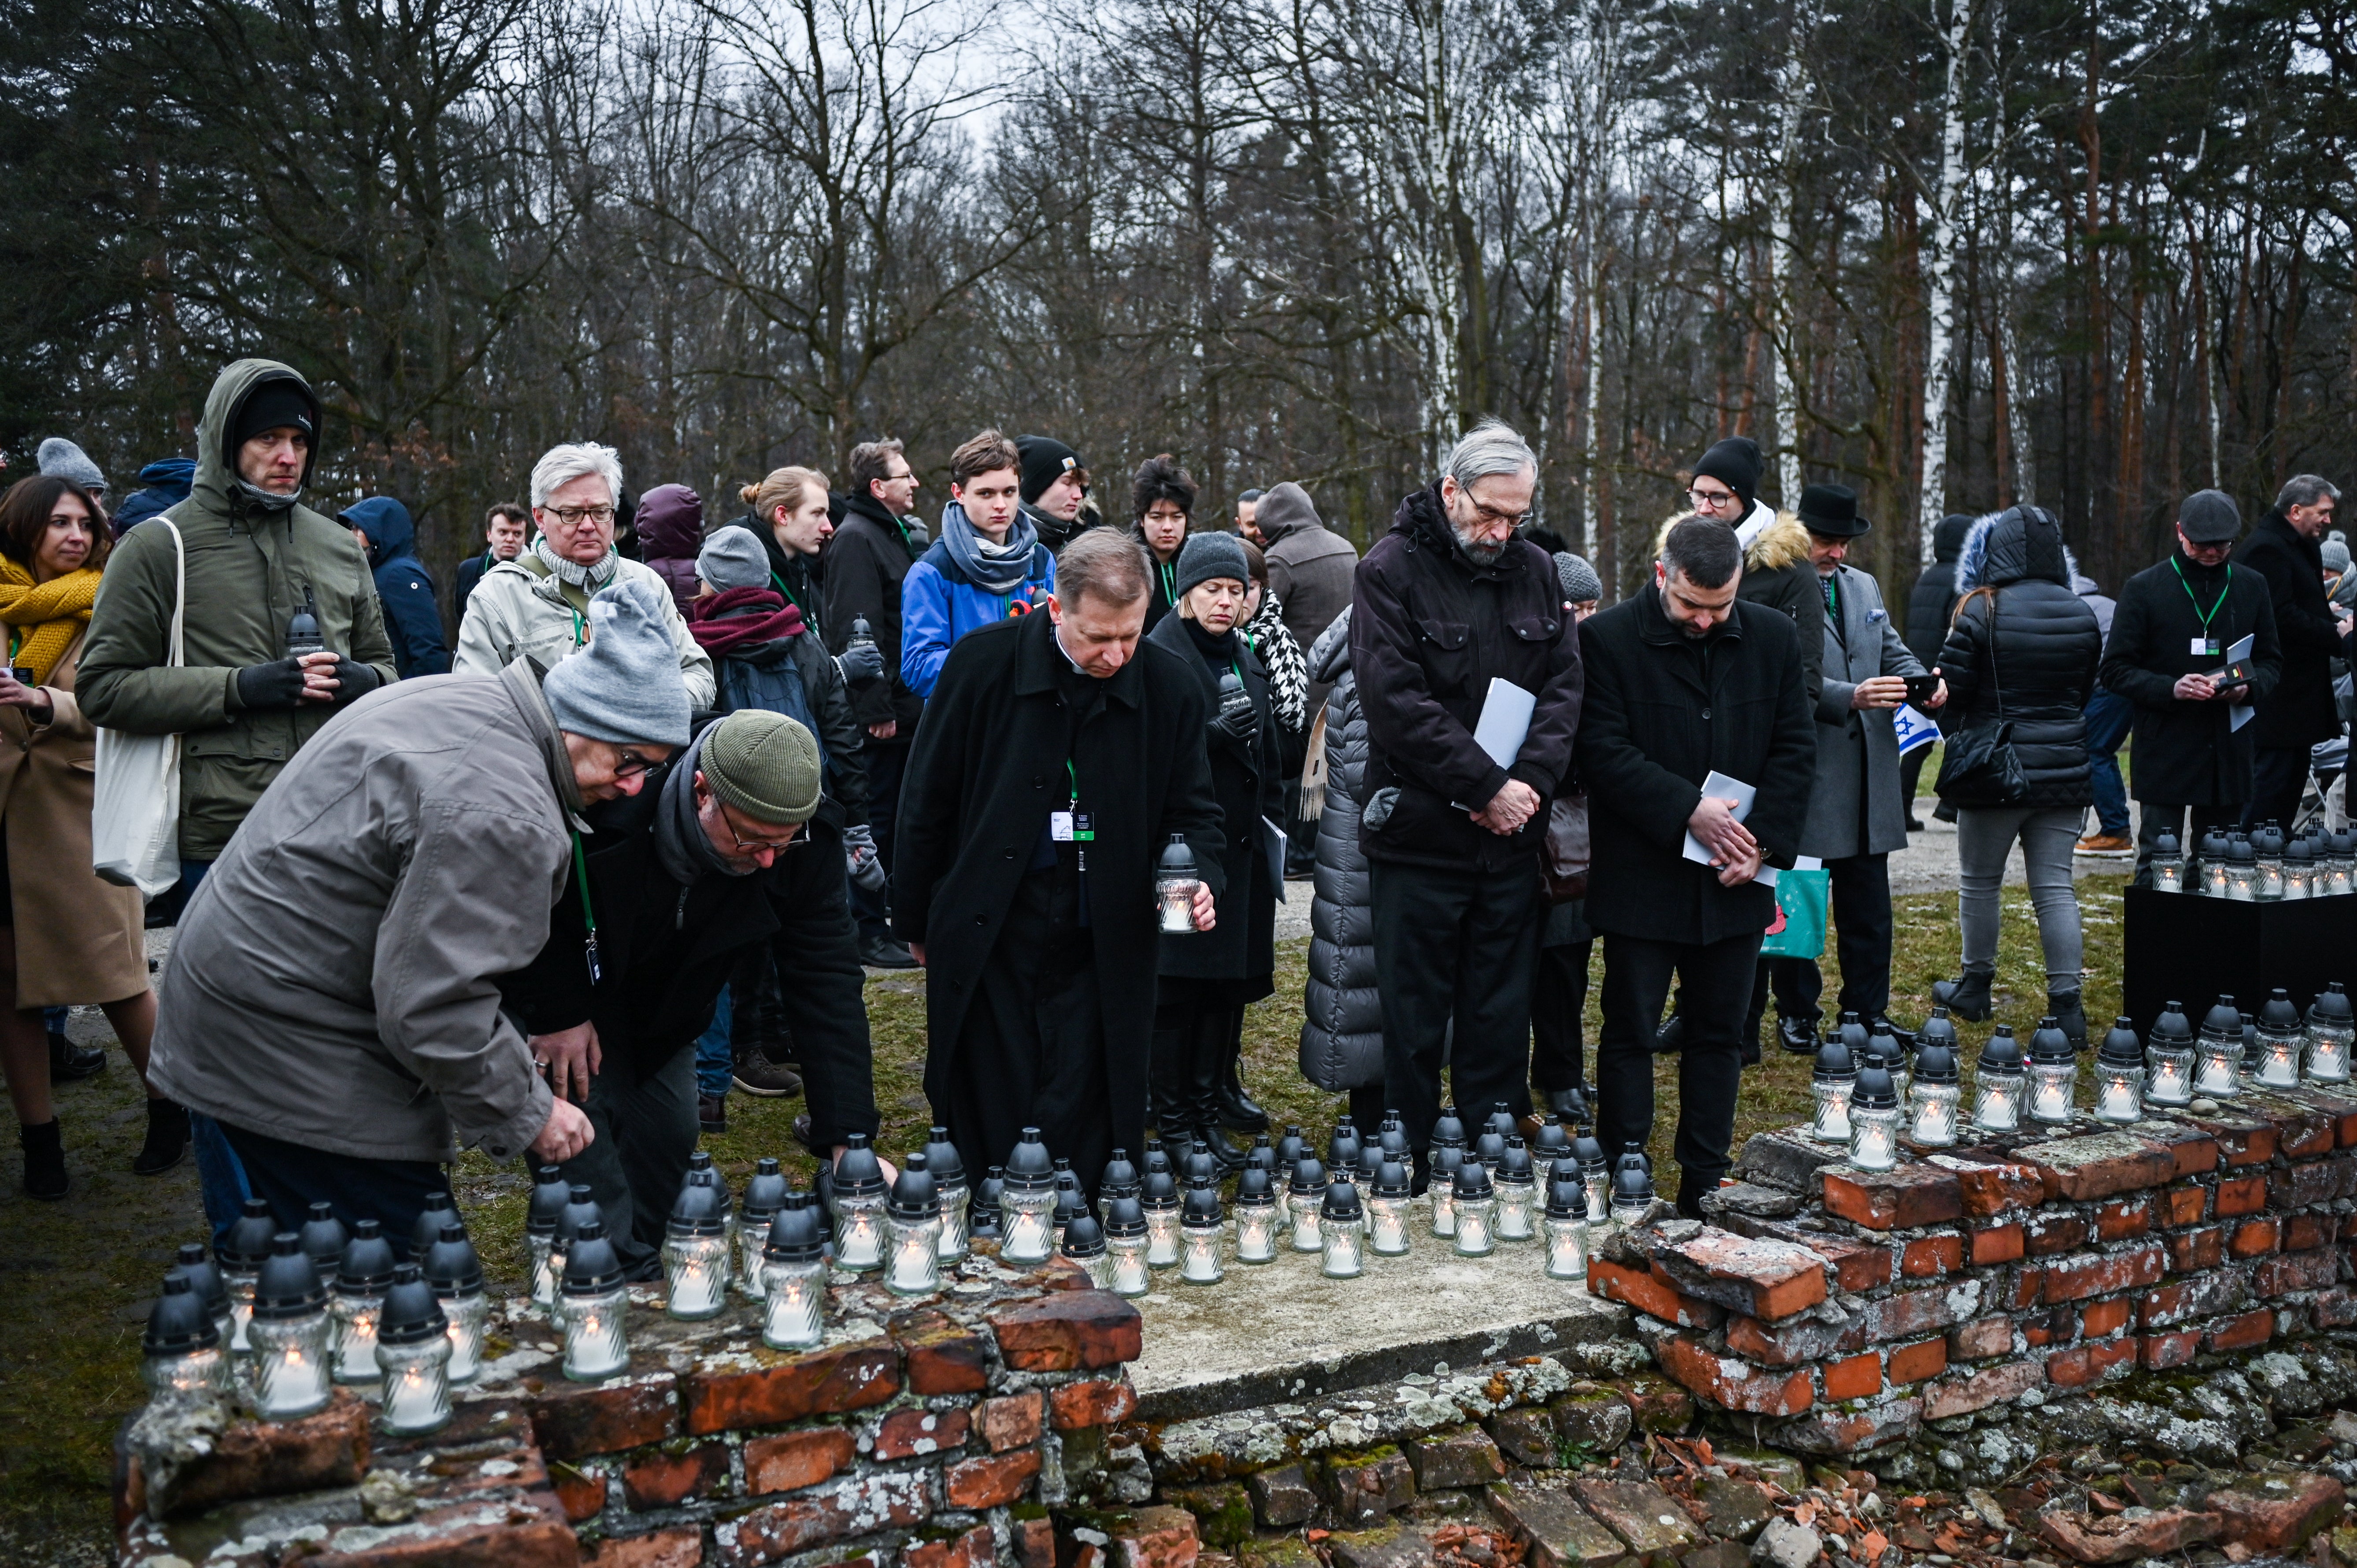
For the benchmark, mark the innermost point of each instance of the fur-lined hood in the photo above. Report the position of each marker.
(1779, 544)
(2005, 547)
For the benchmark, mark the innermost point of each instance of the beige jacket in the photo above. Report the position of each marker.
(518, 611)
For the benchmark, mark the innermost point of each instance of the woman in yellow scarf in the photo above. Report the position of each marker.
(66, 937)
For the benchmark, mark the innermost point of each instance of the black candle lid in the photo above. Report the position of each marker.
(942, 1158)
(1514, 1164)
(1589, 1152)
(366, 1267)
(1472, 1180)
(1177, 859)
(288, 1285)
(859, 1173)
(1935, 1063)
(591, 1267)
(1567, 1197)
(1124, 1218)
(1159, 1191)
(1291, 1147)
(1939, 1028)
(2172, 1027)
(1447, 1130)
(1084, 1238)
(1390, 1180)
(1308, 1175)
(549, 1193)
(180, 1322)
(1630, 1185)
(1500, 1119)
(990, 1189)
(1256, 1189)
(2331, 1004)
(248, 1239)
(2164, 844)
(1202, 1205)
(915, 1198)
(1875, 1091)
(427, 1229)
(412, 1314)
(1342, 1147)
(1262, 1155)
(1028, 1166)
(580, 1209)
(2276, 1011)
(1554, 1138)
(451, 1266)
(1835, 1061)
(323, 1236)
(696, 1211)
(1342, 1201)
(1488, 1148)
(2048, 1043)
(765, 1192)
(2001, 1054)
(796, 1235)
(1120, 1176)
(2121, 1047)
(202, 1277)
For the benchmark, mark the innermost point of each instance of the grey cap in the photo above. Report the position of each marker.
(59, 458)
(2210, 516)
(1208, 555)
(1580, 583)
(623, 685)
(733, 558)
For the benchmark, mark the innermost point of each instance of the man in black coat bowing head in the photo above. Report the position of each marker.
(1057, 759)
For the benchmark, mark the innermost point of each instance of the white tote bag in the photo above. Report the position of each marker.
(134, 818)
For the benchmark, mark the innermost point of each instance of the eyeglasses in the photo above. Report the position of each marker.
(754, 846)
(630, 764)
(1488, 513)
(1711, 500)
(574, 516)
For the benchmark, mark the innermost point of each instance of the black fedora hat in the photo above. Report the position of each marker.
(1831, 510)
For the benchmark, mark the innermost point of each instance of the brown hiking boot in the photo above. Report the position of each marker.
(2106, 844)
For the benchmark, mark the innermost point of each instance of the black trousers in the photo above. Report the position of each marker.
(1453, 951)
(1910, 776)
(2279, 777)
(646, 1130)
(1860, 886)
(1558, 1005)
(2156, 817)
(1716, 983)
(290, 1177)
(887, 761)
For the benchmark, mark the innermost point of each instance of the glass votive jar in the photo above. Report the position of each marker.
(859, 1203)
(2053, 1073)
(323, 1237)
(1387, 1211)
(241, 1255)
(1255, 1209)
(2218, 1052)
(793, 1277)
(1120, 1179)
(182, 1357)
(1518, 1192)
(1998, 1083)
(456, 1277)
(985, 1215)
(580, 1209)
(1934, 1099)
(206, 1282)
(2242, 871)
(2169, 1059)
(1161, 1208)
(2331, 1029)
(1027, 1203)
(765, 1193)
(1126, 1266)
(1564, 1227)
(912, 1263)
(1477, 1211)
(1595, 1175)
(1342, 1233)
(1302, 1196)
(1830, 1086)
(359, 1297)
(1200, 1226)
(2299, 870)
(1632, 1194)
(2168, 864)
(1085, 1243)
(1874, 1122)
(695, 1252)
(1175, 881)
(590, 1307)
(2119, 1076)
(293, 1375)
(2281, 1041)
(550, 1193)
(414, 1352)
(950, 1193)
(1442, 1164)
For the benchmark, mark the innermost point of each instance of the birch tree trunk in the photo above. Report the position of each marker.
(1791, 109)
(1940, 286)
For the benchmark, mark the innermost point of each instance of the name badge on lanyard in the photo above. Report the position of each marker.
(1070, 827)
(2205, 647)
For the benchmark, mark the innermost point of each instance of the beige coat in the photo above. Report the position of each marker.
(78, 939)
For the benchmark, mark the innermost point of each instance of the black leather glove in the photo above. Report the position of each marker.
(860, 661)
(1236, 723)
(275, 685)
(354, 680)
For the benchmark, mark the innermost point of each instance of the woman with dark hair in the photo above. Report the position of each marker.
(66, 937)
(1161, 503)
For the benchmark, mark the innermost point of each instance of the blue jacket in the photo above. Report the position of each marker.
(165, 484)
(940, 603)
(412, 620)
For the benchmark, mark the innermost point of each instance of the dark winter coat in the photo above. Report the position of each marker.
(471, 571)
(798, 578)
(865, 562)
(1663, 712)
(2024, 652)
(2185, 753)
(1429, 630)
(987, 770)
(2300, 712)
(1777, 573)
(1342, 1025)
(796, 676)
(1310, 570)
(1933, 604)
(411, 621)
(163, 484)
(1249, 781)
(1160, 602)
(671, 534)
(665, 951)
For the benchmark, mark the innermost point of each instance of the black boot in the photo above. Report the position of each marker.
(1969, 997)
(2064, 1006)
(1797, 1036)
(1206, 1063)
(44, 1161)
(1166, 1096)
(70, 1063)
(1238, 1112)
(167, 1139)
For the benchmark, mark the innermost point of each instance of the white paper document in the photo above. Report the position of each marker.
(1273, 842)
(1719, 787)
(2239, 714)
(1504, 725)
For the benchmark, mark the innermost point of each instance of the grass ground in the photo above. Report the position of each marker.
(77, 1277)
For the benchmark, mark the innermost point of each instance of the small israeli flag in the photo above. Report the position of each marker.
(1913, 728)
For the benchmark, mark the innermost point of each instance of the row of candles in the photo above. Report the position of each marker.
(1865, 1089)
(2259, 867)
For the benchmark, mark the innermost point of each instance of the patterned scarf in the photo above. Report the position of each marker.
(44, 618)
(589, 579)
(1289, 672)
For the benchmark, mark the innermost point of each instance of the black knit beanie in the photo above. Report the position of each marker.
(1735, 463)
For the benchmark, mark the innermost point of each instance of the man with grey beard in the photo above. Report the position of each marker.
(1448, 601)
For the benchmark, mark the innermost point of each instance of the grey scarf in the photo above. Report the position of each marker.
(588, 578)
(993, 568)
(681, 846)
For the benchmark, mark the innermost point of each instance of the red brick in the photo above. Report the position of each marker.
(569, 1420)
(1790, 1344)
(660, 1480)
(1899, 1199)
(2087, 1364)
(2185, 1205)
(1961, 1395)
(1911, 1315)
(2043, 1235)
(1929, 1257)
(2195, 1252)
(905, 1434)
(1913, 1363)
(2194, 1151)
(1858, 1377)
(974, 1549)
(1035, 1541)
(1650, 1294)
(992, 1481)
(2056, 1326)
(822, 1382)
(2101, 1164)
(2165, 1352)
(1979, 1341)
(2197, 1295)
(2241, 1195)
(2304, 1232)
(2311, 1181)
(1067, 1331)
(2254, 1238)
(2124, 1218)
(2024, 1288)
(1096, 1402)
(1759, 1276)
(1834, 1430)
(252, 1458)
(1993, 1185)
(2336, 1308)
(1997, 1244)
(1859, 1266)
(1731, 1384)
(2099, 1319)
(682, 1546)
(2242, 1140)
(2241, 1333)
(2301, 1132)
(580, 1490)
(855, 1505)
(793, 1460)
(1009, 1423)
(943, 1357)
(2076, 1279)
(2295, 1271)
(2277, 1522)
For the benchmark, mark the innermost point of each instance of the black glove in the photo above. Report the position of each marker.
(1237, 722)
(860, 661)
(274, 685)
(354, 680)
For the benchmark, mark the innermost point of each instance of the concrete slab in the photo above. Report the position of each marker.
(1283, 1332)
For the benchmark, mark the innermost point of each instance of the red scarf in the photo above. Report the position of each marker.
(734, 618)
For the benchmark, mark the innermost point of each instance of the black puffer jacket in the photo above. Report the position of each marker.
(1342, 1021)
(2038, 667)
(1935, 598)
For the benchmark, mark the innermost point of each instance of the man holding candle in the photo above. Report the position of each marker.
(1057, 760)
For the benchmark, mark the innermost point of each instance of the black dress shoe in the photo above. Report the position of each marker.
(1671, 1038)
(1906, 1037)
(1567, 1103)
(883, 953)
(70, 1063)
(1797, 1036)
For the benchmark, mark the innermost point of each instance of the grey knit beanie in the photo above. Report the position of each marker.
(623, 685)
(59, 458)
(2336, 555)
(1208, 555)
(1580, 583)
(733, 558)
(764, 764)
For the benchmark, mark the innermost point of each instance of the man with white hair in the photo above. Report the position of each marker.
(538, 603)
(1448, 601)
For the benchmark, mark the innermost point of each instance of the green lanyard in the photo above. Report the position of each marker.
(588, 915)
(2211, 613)
(1170, 570)
(577, 639)
(780, 584)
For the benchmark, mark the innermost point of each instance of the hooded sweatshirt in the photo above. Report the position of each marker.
(164, 484)
(403, 590)
(249, 567)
